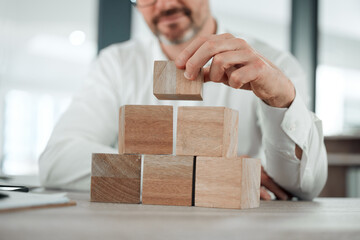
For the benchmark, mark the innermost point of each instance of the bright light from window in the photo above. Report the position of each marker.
(29, 120)
(330, 99)
(338, 99)
(44, 58)
(77, 38)
(338, 73)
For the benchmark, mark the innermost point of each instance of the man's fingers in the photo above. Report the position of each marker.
(241, 76)
(267, 182)
(223, 61)
(247, 86)
(194, 46)
(206, 70)
(224, 79)
(210, 49)
(264, 194)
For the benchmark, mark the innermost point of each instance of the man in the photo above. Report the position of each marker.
(274, 122)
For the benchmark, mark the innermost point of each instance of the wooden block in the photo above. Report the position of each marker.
(207, 131)
(170, 83)
(227, 182)
(115, 178)
(167, 180)
(250, 182)
(146, 129)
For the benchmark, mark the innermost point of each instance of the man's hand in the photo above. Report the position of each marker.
(268, 184)
(237, 65)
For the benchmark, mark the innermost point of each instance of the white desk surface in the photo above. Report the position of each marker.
(324, 218)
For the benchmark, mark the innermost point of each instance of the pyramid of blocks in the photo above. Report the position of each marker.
(204, 170)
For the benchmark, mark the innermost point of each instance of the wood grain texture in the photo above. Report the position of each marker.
(146, 129)
(218, 182)
(167, 180)
(227, 182)
(231, 130)
(115, 178)
(250, 183)
(169, 83)
(207, 131)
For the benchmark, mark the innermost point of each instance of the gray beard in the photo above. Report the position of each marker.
(191, 33)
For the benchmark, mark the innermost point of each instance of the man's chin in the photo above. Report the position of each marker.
(187, 36)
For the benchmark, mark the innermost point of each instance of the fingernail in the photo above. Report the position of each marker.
(187, 75)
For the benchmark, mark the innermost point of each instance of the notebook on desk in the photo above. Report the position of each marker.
(22, 201)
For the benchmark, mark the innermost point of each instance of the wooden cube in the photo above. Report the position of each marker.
(146, 129)
(167, 180)
(115, 178)
(170, 83)
(227, 182)
(207, 131)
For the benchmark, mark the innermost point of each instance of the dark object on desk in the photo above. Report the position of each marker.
(14, 188)
(3, 195)
(4, 178)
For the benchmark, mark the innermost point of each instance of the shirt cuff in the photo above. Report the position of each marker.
(280, 124)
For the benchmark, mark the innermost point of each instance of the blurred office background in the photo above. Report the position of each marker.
(47, 46)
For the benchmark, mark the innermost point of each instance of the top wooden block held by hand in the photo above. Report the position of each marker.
(170, 83)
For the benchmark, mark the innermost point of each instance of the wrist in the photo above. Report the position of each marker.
(284, 99)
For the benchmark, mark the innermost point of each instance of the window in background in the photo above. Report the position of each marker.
(29, 118)
(252, 18)
(45, 50)
(338, 72)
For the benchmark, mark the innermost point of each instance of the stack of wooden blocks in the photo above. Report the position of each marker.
(205, 171)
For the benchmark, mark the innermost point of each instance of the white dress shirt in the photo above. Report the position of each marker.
(123, 75)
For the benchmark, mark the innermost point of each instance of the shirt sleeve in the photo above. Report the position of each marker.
(88, 126)
(283, 129)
